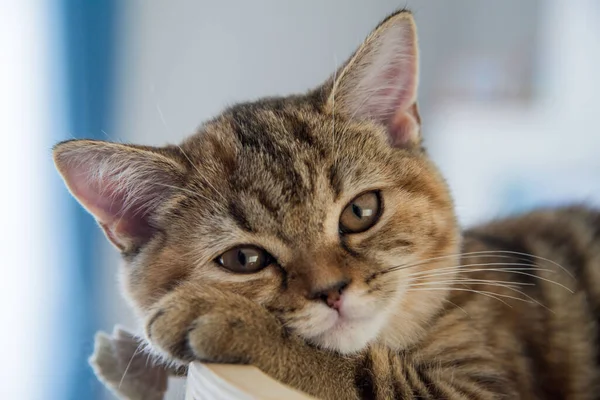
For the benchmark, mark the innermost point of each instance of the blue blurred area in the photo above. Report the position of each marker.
(88, 30)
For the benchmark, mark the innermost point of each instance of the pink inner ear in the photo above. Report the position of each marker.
(129, 229)
(381, 82)
(125, 221)
(404, 127)
(391, 98)
(392, 92)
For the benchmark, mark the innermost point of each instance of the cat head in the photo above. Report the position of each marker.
(320, 207)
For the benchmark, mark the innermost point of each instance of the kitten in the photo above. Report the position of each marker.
(312, 236)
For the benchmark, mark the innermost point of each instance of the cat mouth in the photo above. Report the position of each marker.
(343, 319)
(344, 333)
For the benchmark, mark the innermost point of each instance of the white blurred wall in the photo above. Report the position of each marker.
(501, 158)
(28, 261)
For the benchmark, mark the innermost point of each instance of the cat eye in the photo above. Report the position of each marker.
(361, 213)
(245, 259)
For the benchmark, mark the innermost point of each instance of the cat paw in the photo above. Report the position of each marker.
(213, 326)
(125, 370)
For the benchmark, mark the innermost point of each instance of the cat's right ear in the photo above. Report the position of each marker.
(120, 185)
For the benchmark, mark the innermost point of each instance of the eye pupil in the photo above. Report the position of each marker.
(356, 210)
(241, 257)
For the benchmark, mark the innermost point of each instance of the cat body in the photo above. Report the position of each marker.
(520, 326)
(312, 237)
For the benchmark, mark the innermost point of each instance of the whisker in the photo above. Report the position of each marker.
(490, 282)
(138, 348)
(438, 258)
(530, 298)
(466, 268)
(512, 270)
(457, 306)
(504, 284)
(422, 277)
(494, 295)
(481, 292)
(457, 283)
(536, 257)
(486, 253)
(508, 286)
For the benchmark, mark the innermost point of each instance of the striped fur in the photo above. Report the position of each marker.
(506, 310)
(543, 344)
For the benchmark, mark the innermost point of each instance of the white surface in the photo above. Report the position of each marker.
(203, 384)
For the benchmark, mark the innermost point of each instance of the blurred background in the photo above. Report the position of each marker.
(509, 98)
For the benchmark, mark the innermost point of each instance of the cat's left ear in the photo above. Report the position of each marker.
(379, 82)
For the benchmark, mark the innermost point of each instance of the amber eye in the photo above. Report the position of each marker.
(361, 213)
(245, 259)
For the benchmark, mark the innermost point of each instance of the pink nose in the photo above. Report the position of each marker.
(332, 296)
(334, 299)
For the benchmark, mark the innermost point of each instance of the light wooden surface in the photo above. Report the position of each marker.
(242, 382)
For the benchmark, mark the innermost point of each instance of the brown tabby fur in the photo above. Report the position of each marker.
(276, 173)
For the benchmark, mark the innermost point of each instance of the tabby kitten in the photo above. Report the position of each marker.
(311, 236)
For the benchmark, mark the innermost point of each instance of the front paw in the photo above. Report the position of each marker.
(213, 326)
(125, 369)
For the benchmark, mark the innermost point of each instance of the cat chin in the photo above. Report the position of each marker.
(350, 336)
